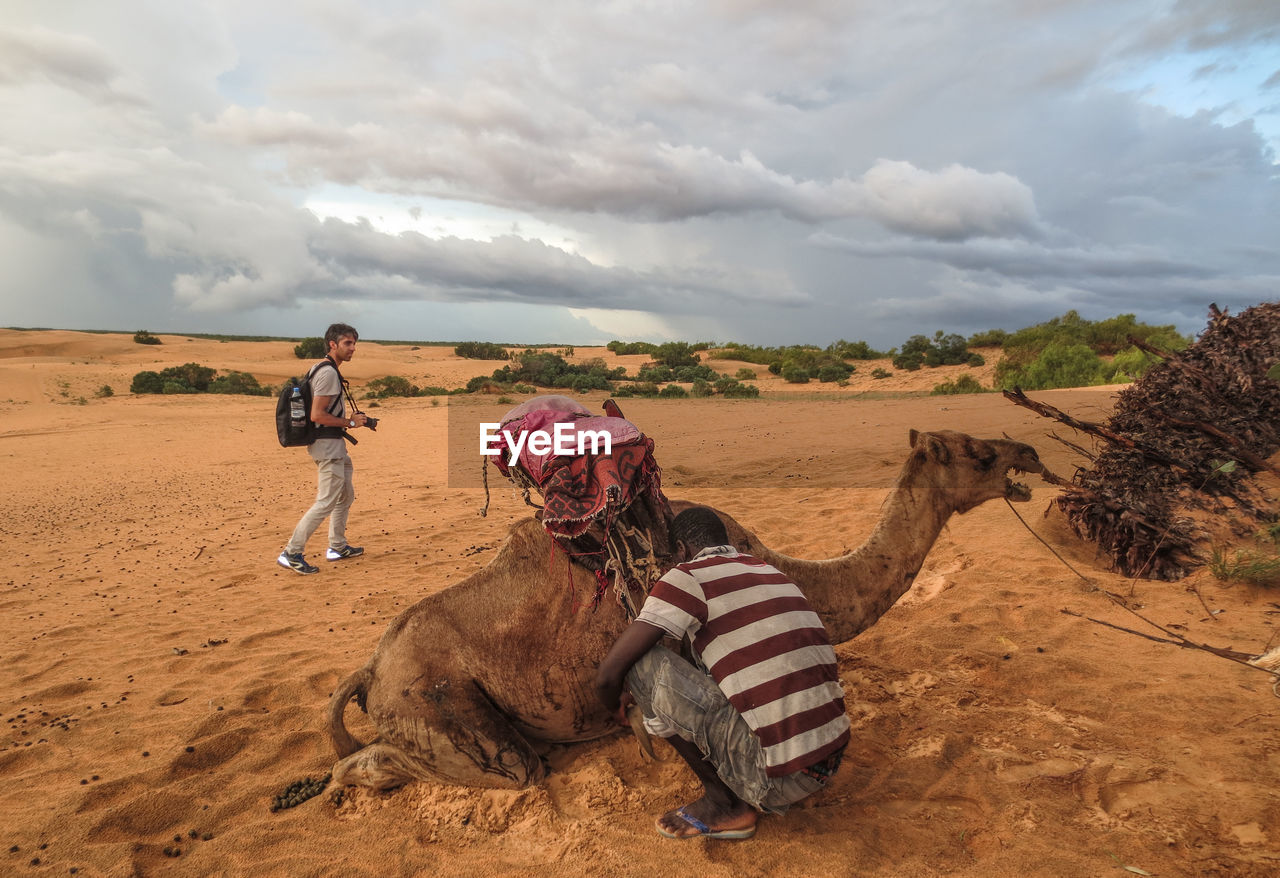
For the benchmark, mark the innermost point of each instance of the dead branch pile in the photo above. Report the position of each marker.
(1189, 435)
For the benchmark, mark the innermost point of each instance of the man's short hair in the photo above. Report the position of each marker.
(338, 331)
(698, 527)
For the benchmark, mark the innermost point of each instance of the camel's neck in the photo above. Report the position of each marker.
(851, 592)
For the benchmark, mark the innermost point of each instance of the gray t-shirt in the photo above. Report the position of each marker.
(325, 382)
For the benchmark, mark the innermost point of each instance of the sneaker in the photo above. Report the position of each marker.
(296, 563)
(344, 552)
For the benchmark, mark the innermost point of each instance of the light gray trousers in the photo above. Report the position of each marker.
(679, 699)
(335, 491)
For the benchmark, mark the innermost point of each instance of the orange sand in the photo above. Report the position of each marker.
(164, 677)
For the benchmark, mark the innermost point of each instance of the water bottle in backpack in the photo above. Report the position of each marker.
(297, 410)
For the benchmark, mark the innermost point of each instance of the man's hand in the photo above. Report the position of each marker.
(625, 700)
(634, 641)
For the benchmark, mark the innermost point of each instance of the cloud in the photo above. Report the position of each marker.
(70, 61)
(1027, 259)
(765, 171)
(354, 257)
(653, 180)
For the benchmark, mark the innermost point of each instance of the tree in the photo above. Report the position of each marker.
(192, 377)
(1060, 365)
(147, 382)
(480, 350)
(144, 337)
(310, 349)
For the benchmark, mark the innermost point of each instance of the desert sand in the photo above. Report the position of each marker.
(165, 679)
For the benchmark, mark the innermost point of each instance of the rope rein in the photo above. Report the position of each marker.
(1176, 638)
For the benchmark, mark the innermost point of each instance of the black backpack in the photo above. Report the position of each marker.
(294, 426)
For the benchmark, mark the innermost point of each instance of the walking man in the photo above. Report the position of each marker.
(760, 719)
(335, 490)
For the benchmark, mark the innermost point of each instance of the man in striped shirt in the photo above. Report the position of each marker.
(760, 719)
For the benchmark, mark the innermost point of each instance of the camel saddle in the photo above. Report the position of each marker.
(606, 510)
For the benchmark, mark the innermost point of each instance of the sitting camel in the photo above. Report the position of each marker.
(465, 679)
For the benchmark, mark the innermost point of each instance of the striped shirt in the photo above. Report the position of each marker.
(756, 635)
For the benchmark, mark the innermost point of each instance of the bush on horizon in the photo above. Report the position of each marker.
(310, 349)
(941, 350)
(239, 383)
(545, 369)
(194, 378)
(793, 373)
(396, 385)
(962, 384)
(144, 337)
(1058, 365)
(481, 350)
(1104, 338)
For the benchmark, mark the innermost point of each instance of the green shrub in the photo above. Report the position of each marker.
(144, 337)
(504, 400)
(992, 338)
(104, 391)
(941, 350)
(1245, 565)
(1058, 365)
(310, 349)
(962, 384)
(390, 385)
(187, 378)
(586, 381)
(481, 350)
(701, 389)
(147, 382)
(622, 348)
(545, 369)
(655, 372)
(745, 374)
(833, 373)
(239, 383)
(911, 356)
(1130, 364)
(853, 350)
(676, 354)
(192, 375)
(880, 373)
(480, 382)
(673, 391)
(741, 391)
(794, 374)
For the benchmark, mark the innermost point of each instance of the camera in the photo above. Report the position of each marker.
(371, 423)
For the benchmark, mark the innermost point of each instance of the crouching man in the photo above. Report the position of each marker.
(760, 720)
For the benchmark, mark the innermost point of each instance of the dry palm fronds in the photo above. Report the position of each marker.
(1187, 437)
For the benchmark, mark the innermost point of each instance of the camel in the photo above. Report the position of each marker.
(465, 682)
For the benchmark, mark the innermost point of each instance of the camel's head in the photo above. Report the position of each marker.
(972, 471)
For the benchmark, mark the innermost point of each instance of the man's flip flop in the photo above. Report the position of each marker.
(704, 831)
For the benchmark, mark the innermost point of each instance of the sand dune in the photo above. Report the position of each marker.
(165, 679)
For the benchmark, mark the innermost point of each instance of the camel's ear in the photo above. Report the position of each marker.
(937, 449)
(913, 436)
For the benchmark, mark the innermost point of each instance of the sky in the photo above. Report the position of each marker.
(763, 172)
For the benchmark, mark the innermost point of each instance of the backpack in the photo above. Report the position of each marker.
(294, 426)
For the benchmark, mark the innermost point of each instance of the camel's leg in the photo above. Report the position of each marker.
(379, 766)
(453, 734)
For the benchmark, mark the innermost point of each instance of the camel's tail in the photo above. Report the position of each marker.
(356, 685)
